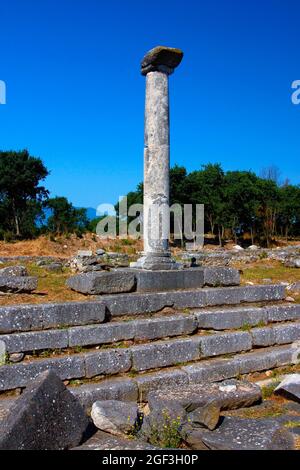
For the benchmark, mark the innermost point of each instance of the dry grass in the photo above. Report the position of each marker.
(269, 269)
(51, 288)
(67, 246)
(266, 269)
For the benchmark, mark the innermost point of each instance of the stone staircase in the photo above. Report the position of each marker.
(123, 346)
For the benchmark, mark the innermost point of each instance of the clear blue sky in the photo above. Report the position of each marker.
(75, 96)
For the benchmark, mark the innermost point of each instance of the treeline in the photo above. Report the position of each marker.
(26, 210)
(237, 203)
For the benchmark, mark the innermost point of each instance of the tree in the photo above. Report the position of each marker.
(289, 207)
(242, 196)
(206, 187)
(21, 196)
(268, 208)
(271, 173)
(65, 218)
(178, 194)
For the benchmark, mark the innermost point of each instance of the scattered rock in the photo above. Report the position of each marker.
(54, 267)
(41, 263)
(102, 282)
(243, 434)
(206, 416)
(253, 247)
(237, 247)
(290, 299)
(45, 417)
(15, 284)
(267, 280)
(100, 252)
(115, 417)
(16, 357)
(14, 271)
(292, 263)
(93, 268)
(290, 387)
(84, 253)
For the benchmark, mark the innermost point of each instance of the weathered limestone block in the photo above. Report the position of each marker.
(109, 389)
(163, 354)
(34, 341)
(14, 271)
(53, 315)
(226, 319)
(108, 362)
(229, 395)
(242, 434)
(102, 282)
(283, 312)
(18, 284)
(279, 334)
(212, 370)
(45, 417)
(225, 343)
(20, 375)
(290, 387)
(149, 281)
(171, 378)
(156, 328)
(101, 334)
(219, 276)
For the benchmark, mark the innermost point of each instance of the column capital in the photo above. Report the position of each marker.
(161, 59)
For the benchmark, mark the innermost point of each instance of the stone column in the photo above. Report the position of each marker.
(157, 65)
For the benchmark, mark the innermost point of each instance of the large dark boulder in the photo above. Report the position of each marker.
(45, 417)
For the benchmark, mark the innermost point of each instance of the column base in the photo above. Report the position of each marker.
(155, 262)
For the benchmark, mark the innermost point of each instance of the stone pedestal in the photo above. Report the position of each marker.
(157, 65)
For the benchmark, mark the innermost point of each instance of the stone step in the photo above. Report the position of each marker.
(59, 315)
(143, 357)
(136, 303)
(151, 328)
(212, 370)
(137, 388)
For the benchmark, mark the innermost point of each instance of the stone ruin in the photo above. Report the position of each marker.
(182, 340)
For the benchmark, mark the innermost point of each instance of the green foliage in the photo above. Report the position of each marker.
(166, 433)
(65, 218)
(21, 196)
(236, 202)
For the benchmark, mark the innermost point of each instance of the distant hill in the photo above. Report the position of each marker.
(90, 212)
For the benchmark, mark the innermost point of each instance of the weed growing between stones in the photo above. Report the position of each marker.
(166, 434)
(267, 390)
(292, 424)
(246, 327)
